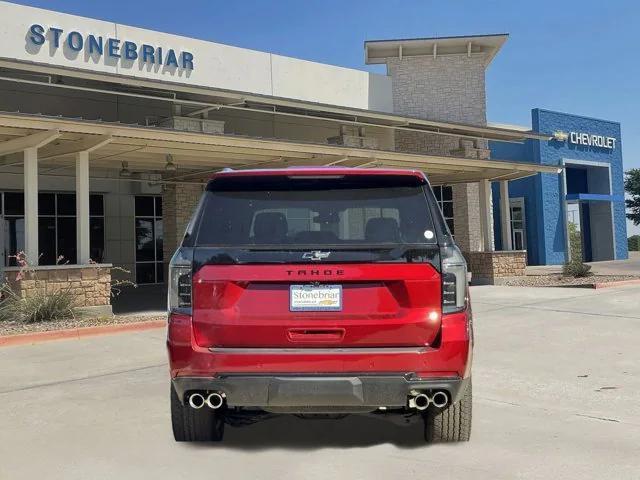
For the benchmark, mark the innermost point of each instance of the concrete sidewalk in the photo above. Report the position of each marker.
(556, 396)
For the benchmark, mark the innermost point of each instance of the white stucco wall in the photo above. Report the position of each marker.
(215, 65)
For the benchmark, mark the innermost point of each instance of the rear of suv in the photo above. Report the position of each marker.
(319, 292)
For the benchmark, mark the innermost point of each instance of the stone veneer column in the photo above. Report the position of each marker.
(466, 216)
(178, 204)
(447, 88)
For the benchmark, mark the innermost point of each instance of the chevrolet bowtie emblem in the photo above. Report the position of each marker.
(315, 255)
(560, 136)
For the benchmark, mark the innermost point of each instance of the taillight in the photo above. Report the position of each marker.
(179, 288)
(454, 279)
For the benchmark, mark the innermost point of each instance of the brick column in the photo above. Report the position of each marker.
(466, 217)
(448, 88)
(178, 205)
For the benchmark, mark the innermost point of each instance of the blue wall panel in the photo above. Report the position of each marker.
(546, 234)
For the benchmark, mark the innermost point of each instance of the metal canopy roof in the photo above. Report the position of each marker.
(377, 51)
(146, 149)
(198, 99)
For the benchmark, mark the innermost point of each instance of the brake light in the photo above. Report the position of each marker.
(454, 280)
(179, 286)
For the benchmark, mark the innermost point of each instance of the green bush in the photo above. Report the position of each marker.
(576, 269)
(634, 243)
(575, 243)
(39, 306)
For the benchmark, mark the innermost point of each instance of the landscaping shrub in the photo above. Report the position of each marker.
(38, 306)
(576, 269)
(575, 243)
(634, 243)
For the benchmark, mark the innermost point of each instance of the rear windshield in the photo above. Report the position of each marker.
(352, 210)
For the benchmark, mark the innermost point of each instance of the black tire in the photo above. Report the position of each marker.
(191, 425)
(450, 424)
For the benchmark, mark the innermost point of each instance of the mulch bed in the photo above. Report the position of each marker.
(560, 281)
(17, 328)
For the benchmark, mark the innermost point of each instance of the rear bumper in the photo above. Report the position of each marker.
(283, 377)
(318, 390)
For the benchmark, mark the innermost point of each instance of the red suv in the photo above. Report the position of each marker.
(319, 292)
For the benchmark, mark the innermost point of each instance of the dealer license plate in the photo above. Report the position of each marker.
(315, 298)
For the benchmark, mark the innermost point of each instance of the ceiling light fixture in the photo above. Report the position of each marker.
(170, 166)
(124, 171)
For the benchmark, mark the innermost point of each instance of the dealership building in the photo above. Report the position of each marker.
(109, 132)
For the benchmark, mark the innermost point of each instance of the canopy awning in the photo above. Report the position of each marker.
(146, 149)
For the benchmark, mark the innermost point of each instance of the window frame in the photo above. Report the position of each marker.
(441, 201)
(55, 217)
(158, 264)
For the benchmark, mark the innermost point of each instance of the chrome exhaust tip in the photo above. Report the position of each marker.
(440, 399)
(196, 401)
(215, 400)
(421, 401)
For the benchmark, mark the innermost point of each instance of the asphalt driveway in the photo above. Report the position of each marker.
(556, 383)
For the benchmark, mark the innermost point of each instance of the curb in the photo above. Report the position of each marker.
(77, 333)
(619, 283)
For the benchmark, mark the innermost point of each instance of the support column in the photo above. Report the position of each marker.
(466, 217)
(505, 215)
(82, 208)
(178, 204)
(486, 218)
(31, 248)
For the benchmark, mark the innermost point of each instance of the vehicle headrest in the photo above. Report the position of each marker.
(270, 227)
(382, 230)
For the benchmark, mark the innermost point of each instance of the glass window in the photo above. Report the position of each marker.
(447, 209)
(444, 196)
(145, 206)
(158, 207)
(158, 238)
(66, 240)
(56, 226)
(159, 272)
(96, 205)
(13, 203)
(14, 238)
(96, 241)
(149, 239)
(319, 212)
(47, 240)
(145, 273)
(66, 203)
(47, 204)
(145, 250)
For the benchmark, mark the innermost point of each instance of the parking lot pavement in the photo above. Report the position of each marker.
(556, 384)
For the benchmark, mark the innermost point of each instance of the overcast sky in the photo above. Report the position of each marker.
(577, 56)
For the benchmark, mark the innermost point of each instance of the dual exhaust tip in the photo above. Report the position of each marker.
(199, 400)
(422, 401)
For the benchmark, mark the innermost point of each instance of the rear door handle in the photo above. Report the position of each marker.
(315, 335)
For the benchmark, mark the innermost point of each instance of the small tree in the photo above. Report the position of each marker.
(575, 243)
(632, 187)
(574, 267)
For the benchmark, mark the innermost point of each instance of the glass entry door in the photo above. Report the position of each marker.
(518, 226)
(149, 236)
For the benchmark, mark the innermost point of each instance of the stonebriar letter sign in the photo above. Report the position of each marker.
(97, 45)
